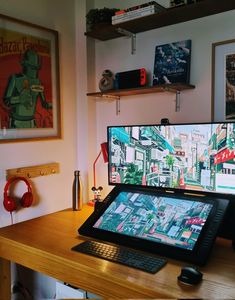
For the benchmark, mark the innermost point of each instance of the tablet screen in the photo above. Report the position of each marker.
(162, 219)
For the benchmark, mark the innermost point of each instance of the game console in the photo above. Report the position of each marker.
(130, 79)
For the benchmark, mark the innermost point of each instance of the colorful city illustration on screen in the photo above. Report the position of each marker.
(195, 157)
(166, 220)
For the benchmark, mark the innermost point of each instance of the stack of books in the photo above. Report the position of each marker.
(137, 12)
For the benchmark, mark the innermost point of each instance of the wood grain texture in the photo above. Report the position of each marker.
(44, 244)
(34, 171)
(5, 279)
(170, 16)
(172, 88)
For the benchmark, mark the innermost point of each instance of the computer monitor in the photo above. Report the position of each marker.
(175, 225)
(199, 157)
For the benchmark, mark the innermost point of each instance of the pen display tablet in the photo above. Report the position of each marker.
(177, 225)
(166, 220)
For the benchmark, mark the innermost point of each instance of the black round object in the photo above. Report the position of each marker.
(190, 275)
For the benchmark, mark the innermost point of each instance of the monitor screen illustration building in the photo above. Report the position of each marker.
(188, 156)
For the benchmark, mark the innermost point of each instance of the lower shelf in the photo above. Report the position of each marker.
(116, 94)
(173, 88)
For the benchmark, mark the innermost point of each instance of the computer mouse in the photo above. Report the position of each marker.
(190, 275)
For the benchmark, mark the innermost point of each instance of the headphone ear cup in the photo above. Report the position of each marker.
(9, 203)
(27, 199)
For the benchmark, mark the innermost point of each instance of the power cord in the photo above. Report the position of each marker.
(11, 218)
(18, 288)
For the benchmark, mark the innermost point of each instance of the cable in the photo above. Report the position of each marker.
(11, 218)
(20, 289)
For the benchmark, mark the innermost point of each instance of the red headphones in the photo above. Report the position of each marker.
(10, 204)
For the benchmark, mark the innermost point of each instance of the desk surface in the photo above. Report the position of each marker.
(43, 244)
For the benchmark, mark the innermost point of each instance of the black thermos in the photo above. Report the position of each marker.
(77, 199)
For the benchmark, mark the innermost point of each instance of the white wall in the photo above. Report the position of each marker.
(53, 192)
(145, 109)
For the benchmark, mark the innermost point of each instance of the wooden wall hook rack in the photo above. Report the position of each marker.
(34, 171)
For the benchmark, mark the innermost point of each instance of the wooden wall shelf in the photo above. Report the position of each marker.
(104, 32)
(116, 94)
(170, 16)
(173, 88)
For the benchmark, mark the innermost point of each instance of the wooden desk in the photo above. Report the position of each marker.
(43, 244)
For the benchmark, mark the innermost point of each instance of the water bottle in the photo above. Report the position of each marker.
(77, 199)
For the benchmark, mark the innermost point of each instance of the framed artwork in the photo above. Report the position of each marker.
(172, 63)
(29, 82)
(223, 81)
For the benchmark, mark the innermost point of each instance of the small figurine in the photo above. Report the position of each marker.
(107, 81)
(97, 193)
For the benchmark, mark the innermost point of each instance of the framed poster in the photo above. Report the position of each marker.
(29, 82)
(172, 63)
(223, 81)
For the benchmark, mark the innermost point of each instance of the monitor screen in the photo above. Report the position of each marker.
(198, 157)
(167, 220)
(167, 223)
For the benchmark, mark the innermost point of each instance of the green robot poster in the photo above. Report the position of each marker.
(26, 83)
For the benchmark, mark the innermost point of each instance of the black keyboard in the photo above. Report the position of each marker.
(126, 256)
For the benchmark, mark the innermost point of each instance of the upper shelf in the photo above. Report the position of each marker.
(170, 16)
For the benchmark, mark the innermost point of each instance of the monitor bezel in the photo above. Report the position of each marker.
(202, 248)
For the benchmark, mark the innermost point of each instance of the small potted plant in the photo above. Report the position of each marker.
(99, 16)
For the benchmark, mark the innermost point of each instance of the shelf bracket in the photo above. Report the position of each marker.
(118, 110)
(114, 97)
(177, 101)
(110, 97)
(177, 96)
(130, 35)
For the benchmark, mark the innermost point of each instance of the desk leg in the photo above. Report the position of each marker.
(5, 279)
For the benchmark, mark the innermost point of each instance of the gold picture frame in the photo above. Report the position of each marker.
(223, 81)
(30, 82)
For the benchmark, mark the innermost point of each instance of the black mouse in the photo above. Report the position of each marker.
(190, 275)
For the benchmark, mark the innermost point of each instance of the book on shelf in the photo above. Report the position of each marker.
(134, 12)
(172, 63)
(122, 11)
(145, 11)
(135, 16)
